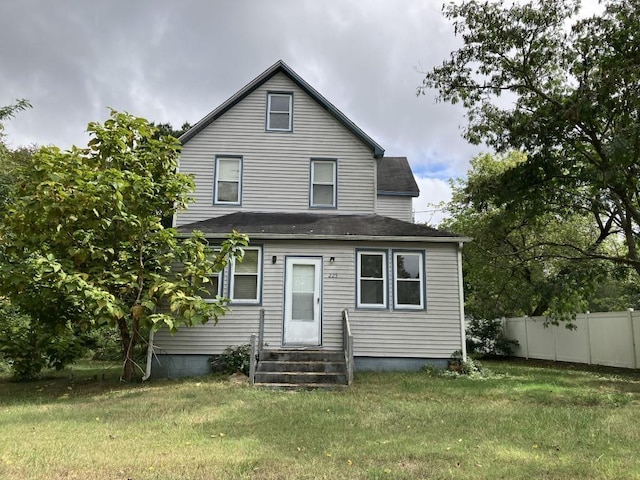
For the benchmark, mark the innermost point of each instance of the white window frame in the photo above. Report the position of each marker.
(359, 278)
(312, 182)
(220, 277)
(232, 277)
(270, 95)
(421, 280)
(216, 180)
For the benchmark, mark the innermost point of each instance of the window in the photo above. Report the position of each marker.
(246, 277)
(408, 274)
(372, 280)
(228, 180)
(279, 112)
(323, 183)
(214, 286)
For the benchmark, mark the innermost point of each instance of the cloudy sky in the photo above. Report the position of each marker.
(176, 61)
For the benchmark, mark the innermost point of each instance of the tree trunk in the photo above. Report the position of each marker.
(127, 342)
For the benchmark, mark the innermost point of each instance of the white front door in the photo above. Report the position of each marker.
(302, 302)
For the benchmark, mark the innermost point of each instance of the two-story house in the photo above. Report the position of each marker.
(330, 223)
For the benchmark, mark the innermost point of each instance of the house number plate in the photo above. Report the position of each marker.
(333, 275)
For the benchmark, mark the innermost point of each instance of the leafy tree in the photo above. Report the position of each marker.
(7, 157)
(518, 265)
(166, 129)
(83, 242)
(571, 101)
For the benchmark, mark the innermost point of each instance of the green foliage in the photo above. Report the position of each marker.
(573, 86)
(103, 343)
(82, 240)
(486, 337)
(469, 368)
(458, 367)
(234, 359)
(518, 263)
(28, 347)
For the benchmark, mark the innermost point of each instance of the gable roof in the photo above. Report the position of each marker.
(396, 178)
(319, 226)
(278, 67)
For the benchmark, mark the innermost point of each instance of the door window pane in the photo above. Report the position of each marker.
(302, 307)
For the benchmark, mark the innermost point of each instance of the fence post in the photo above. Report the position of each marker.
(586, 315)
(555, 342)
(252, 359)
(526, 338)
(633, 338)
(261, 333)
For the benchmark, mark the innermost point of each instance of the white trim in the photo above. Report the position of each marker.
(421, 280)
(333, 183)
(216, 188)
(269, 112)
(306, 332)
(232, 274)
(359, 278)
(463, 339)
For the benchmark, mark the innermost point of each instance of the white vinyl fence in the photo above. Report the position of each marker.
(611, 339)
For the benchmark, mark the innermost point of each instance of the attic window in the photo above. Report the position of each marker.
(279, 112)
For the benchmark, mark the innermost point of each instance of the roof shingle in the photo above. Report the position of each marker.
(396, 178)
(314, 225)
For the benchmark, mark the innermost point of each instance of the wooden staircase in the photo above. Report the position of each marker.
(301, 369)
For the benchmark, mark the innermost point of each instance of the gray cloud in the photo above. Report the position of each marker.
(176, 61)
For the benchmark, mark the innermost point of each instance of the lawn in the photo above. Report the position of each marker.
(527, 422)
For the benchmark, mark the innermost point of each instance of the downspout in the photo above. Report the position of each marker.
(147, 373)
(461, 297)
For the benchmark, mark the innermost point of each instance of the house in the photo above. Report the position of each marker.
(330, 223)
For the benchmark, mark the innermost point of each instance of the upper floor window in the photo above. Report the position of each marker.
(408, 273)
(228, 181)
(323, 183)
(246, 277)
(280, 112)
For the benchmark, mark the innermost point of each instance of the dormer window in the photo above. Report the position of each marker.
(280, 112)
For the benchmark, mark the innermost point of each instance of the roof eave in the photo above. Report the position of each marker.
(398, 194)
(368, 238)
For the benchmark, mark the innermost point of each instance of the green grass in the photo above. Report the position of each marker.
(528, 422)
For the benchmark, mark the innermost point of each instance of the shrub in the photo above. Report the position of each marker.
(486, 337)
(28, 347)
(234, 359)
(457, 367)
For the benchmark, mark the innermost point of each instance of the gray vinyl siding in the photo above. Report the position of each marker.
(400, 207)
(276, 164)
(430, 333)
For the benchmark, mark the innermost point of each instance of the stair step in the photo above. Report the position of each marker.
(297, 386)
(301, 368)
(302, 355)
(300, 377)
(298, 366)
